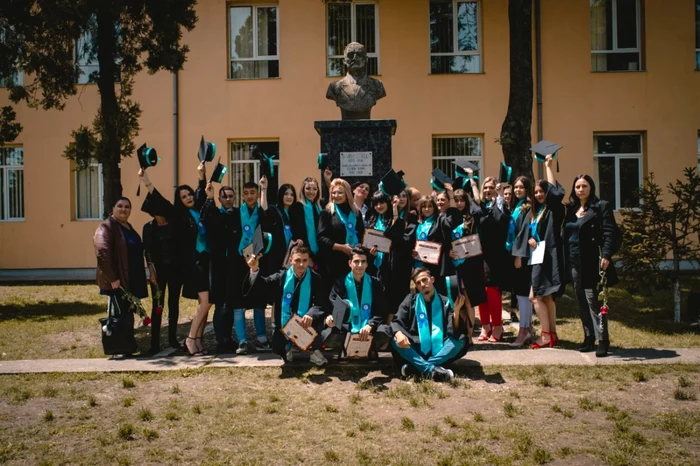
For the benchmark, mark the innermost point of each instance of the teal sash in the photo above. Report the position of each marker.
(202, 244)
(359, 315)
(510, 239)
(533, 224)
(350, 226)
(284, 215)
(379, 225)
(249, 223)
(424, 228)
(431, 339)
(457, 233)
(309, 221)
(288, 293)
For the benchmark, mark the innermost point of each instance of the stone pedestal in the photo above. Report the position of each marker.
(353, 138)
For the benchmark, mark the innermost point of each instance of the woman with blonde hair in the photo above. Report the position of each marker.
(305, 215)
(340, 228)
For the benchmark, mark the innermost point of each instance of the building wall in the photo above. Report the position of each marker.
(663, 102)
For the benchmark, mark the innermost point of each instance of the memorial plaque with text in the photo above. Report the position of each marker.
(355, 164)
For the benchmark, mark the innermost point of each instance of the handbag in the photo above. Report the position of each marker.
(603, 296)
(117, 338)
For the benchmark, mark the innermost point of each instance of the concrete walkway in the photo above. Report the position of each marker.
(481, 356)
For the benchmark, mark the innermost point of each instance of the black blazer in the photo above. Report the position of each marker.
(405, 319)
(595, 239)
(331, 231)
(493, 232)
(299, 232)
(341, 311)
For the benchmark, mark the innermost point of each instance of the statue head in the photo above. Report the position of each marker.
(355, 57)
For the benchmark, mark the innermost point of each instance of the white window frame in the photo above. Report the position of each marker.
(478, 159)
(18, 78)
(5, 194)
(100, 190)
(615, 49)
(255, 56)
(84, 77)
(698, 152)
(618, 157)
(353, 33)
(455, 37)
(697, 50)
(257, 174)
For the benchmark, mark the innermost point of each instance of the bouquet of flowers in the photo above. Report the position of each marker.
(135, 306)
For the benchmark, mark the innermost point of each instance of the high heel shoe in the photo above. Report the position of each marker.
(553, 339)
(536, 345)
(187, 348)
(485, 335)
(202, 351)
(525, 335)
(495, 339)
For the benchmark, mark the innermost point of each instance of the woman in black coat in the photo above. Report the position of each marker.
(191, 246)
(277, 222)
(340, 228)
(305, 215)
(589, 243)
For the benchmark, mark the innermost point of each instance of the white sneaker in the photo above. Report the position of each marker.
(290, 355)
(318, 358)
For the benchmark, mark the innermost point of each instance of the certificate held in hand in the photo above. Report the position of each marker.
(376, 238)
(356, 348)
(467, 246)
(297, 334)
(428, 252)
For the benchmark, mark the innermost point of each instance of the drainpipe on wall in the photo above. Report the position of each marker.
(538, 59)
(176, 132)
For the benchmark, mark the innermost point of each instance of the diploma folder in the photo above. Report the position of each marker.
(297, 334)
(355, 348)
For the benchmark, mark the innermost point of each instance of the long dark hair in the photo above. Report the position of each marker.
(178, 202)
(280, 194)
(544, 186)
(466, 215)
(377, 198)
(574, 201)
(529, 193)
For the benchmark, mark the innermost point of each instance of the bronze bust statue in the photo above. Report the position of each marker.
(356, 93)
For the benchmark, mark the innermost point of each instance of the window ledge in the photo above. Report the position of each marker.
(342, 76)
(87, 220)
(13, 220)
(252, 79)
(456, 74)
(618, 71)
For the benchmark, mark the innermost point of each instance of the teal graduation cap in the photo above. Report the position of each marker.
(268, 165)
(218, 174)
(207, 150)
(439, 180)
(505, 173)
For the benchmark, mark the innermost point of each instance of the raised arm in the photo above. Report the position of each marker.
(263, 192)
(143, 176)
(548, 168)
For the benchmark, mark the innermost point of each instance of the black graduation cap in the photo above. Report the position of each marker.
(268, 165)
(340, 308)
(392, 183)
(147, 156)
(261, 243)
(218, 174)
(207, 150)
(322, 161)
(439, 180)
(505, 173)
(542, 148)
(460, 166)
(452, 287)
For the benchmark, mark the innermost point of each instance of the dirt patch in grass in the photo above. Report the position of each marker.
(343, 415)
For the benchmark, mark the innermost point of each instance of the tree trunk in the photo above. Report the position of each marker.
(109, 107)
(676, 271)
(516, 130)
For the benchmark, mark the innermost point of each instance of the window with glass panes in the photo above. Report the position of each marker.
(351, 22)
(254, 42)
(448, 149)
(11, 183)
(697, 35)
(16, 78)
(245, 166)
(616, 35)
(89, 192)
(455, 42)
(617, 162)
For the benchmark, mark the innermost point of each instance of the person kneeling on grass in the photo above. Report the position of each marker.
(424, 336)
(358, 307)
(297, 290)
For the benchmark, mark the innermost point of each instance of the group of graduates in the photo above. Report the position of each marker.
(305, 256)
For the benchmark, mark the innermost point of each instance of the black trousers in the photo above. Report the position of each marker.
(169, 280)
(334, 338)
(223, 324)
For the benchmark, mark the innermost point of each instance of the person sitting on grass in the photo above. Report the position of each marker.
(424, 335)
(358, 307)
(297, 290)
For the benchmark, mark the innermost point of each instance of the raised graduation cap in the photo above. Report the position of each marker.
(262, 241)
(439, 180)
(147, 156)
(461, 177)
(505, 173)
(392, 183)
(452, 287)
(218, 174)
(207, 150)
(542, 148)
(322, 161)
(268, 165)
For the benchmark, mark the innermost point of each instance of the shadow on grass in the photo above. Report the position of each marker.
(48, 311)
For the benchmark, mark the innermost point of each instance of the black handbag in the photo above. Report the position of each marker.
(117, 335)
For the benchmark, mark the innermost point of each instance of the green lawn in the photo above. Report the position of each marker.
(61, 321)
(625, 415)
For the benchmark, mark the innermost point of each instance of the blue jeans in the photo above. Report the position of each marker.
(258, 320)
(424, 364)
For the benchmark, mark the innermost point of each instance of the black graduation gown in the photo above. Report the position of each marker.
(471, 271)
(275, 223)
(298, 220)
(219, 250)
(493, 232)
(441, 232)
(341, 312)
(270, 289)
(522, 277)
(331, 231)
(595, 238)
(402, 264)
(546, 277)
(405, 320)
(395, 233)
(185, 232)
